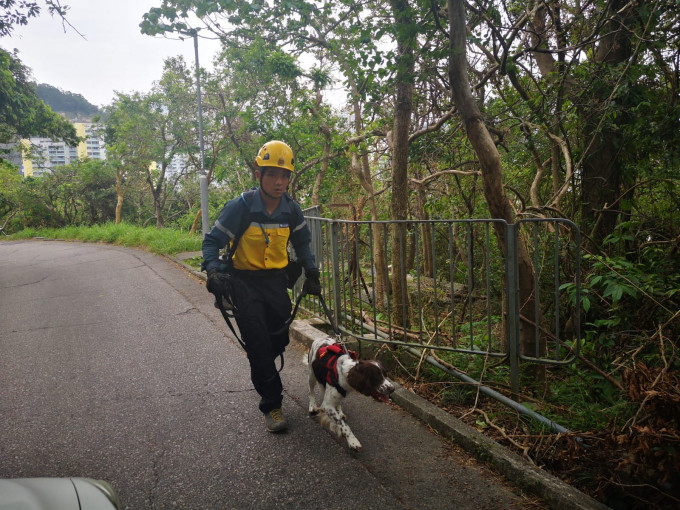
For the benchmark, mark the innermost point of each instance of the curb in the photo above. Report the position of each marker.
(557, 494)
(179, 259)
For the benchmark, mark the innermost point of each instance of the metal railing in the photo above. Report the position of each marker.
(462, 290)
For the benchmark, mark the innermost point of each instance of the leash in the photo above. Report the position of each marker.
(227, 317)
(338, 336)
(288, 322)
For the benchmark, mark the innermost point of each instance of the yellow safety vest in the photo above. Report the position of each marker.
(263, 246)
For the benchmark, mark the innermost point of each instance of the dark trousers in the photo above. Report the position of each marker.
(263, 308)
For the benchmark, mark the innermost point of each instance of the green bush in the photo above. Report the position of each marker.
(160, 241)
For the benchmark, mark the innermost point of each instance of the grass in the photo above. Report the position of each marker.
(161, 241)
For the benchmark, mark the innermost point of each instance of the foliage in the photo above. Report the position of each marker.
(77, 194)
(64, 101)
(82, 192)
(159, 241)
(631, 290)
(31, 202)
(22, 113)
(625, 442)
(10, 181)
(19, 12)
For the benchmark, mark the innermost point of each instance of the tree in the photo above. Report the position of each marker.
(19, 12)
(163, 148)
(81, 193)
(622, 39)
(22, 113)
(126, 145)
(10, 180)
(178, 88)
(490, 162)
(147, 131)
(406, 41)
(581, 88)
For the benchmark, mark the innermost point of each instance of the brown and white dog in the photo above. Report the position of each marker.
(338, 373)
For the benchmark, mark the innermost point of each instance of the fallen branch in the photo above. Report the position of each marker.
(523, 449)
(658, 332)
(649, 393)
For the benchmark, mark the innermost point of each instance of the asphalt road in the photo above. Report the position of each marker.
(115, 365)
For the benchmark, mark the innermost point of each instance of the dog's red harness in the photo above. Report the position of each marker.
(326, 371)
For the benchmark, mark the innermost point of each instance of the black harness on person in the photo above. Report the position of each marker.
(326, 371)
(227, 301)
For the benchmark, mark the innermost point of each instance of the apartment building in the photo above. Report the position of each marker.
(47, 154)
(178, 165)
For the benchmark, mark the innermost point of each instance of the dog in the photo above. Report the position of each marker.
(338, 372)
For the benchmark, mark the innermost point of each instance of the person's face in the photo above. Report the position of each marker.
(275, 180)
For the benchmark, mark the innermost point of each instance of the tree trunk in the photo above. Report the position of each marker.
(492, 176)
(318, 180)
(425, 229)
(362, 170)
(156, 194)
(120, 196)
(197, 219)
(601, 181)
(326, 132)
(400, 143)
(601, 170)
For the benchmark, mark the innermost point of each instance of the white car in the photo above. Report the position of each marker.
(57, 494)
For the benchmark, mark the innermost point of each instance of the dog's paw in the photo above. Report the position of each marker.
(354, 444)
(313, 410)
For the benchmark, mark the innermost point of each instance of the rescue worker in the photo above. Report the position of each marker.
(259, 269)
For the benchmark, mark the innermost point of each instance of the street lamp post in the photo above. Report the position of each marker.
(203, 179)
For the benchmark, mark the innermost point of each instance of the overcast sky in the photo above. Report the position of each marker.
(112, 56)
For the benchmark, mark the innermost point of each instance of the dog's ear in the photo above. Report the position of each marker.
(364, 377)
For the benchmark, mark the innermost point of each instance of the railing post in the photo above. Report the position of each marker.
(512, 311)
(335, 261)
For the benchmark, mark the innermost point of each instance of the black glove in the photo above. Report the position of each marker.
(214, 284)
(312, 284)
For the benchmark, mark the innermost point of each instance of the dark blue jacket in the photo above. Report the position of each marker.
(263, 244)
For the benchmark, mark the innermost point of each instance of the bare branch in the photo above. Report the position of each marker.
(436, 175)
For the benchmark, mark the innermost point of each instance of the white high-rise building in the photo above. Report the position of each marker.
(177, 165)
(47, 154)
(94, 141)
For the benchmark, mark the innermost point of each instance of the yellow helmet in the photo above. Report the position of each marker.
(276, 153)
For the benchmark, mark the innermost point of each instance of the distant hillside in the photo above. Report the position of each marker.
(73, 106)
